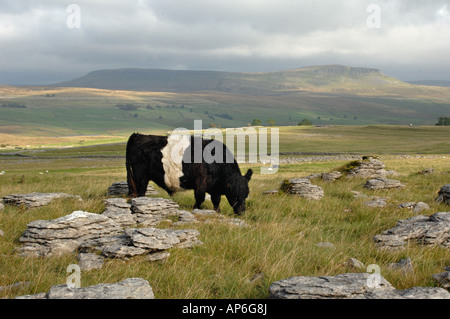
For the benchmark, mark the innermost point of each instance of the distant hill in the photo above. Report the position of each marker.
(158, 80)
(431, 83)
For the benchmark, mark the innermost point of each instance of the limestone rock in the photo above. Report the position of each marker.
(119, 210)
(326, 177)
(121, 189)
(355, 264)
(415, 207)
(89, 261)
(131, 288)
(32, 200)
(149, 211)
(433, 230)
(349, 286)
(404, 265)
(376, 201)
(368, 167)
(382, 183)
(141, 241)
(443, 278)
(302, 187)
(444, 195)
(1, 204)
(64, 234)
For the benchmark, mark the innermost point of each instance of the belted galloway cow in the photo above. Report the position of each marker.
(179, 162)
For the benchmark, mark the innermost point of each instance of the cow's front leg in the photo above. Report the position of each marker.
(215, 198)
(199, 198)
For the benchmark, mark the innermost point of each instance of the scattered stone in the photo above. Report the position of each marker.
(32, 200)
(357, 194)
(325, 245)
(14, 286)
(158, 256)
(2, 233)
(433, 230)
(326, 177)
(119, 210)
(185, 217)
(121, 189)
(415, 207)
(404, 265)
(302, 187)
(271, 192)
(141, 241)
(368, 167)
(206, 213)
(354, 264)
(349, 286)
(64, 234)
(427, 171)
(131, 288)
(383, 183)
(444, 195)
(149, 211)
(443, 278)
(89, 261)
(1, 204)
(376, 202)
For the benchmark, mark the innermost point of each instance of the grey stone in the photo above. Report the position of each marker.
(121, 189)
(325, 245)
(32, 200)
(349, 286)
(64, 235)
(444, 195)
(131, 288)
(382, 183)
(376, 202)
(443, 278)
(158, 256)
(367, 168)
(119, 210)
(415, 207)
(405, 265)
(426, 230)
(2, 233)
(326, 177)
(427, 171)
(355, 264)
(302, 187)
(150, 211)
(152, 239)
(89, 261)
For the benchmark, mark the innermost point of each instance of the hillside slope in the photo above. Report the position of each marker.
(329, 77)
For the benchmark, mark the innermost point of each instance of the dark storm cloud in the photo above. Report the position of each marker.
(38, 46)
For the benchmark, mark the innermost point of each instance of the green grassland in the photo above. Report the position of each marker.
(283, 231)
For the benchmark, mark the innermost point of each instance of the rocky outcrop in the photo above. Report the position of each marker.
(64, 235)
(443, 278)
(383, 183)
(32, 200)
(149, 211)
(141, 241)
(425, 230)
(121, 189)
(302, 187)
(349, 286)
(131, 288)
(444, 195)
(368, 167)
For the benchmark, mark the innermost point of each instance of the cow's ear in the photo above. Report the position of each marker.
(249, 174)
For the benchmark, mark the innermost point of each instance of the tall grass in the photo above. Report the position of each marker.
(234, 262)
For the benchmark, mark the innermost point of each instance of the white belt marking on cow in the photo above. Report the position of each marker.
(172, 157)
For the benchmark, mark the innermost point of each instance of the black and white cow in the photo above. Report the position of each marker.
(177, 162)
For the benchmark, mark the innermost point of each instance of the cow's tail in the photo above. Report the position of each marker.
(132, 190)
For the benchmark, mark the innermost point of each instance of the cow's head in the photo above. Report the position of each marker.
(237, 191)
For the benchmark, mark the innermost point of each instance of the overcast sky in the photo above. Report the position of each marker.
(49, 41)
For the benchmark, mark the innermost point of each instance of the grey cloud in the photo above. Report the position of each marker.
(244, 35)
